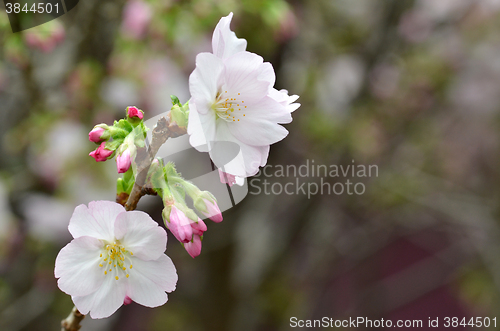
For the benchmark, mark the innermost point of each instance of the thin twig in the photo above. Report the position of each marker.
(163, 130)
(72, 322)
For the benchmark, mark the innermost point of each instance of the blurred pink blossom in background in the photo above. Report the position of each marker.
(136, 18)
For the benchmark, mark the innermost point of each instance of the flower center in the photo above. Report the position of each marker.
(116, 260)
(230, 108)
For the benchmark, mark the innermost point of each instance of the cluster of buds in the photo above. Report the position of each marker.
(189, 231)
(120, 139)
(187, 227)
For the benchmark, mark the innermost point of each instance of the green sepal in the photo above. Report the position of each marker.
(120, 186)
(112, 145)
(124, 124)
(128, 181)
(175, 101)
(180, 114)
(178, 192)
(169, 170)
(156, 177)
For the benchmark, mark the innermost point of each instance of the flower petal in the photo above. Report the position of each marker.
(204, 81)
(257, 132)
(269, 109)
(95, 221)
(149, 280)
(266, 73)
(264, 153)
(224, 41)
(201, 128)
(141, 235)
(194, 247)
(77, 266)
(106, 300)
(246, 166)
(241, 75)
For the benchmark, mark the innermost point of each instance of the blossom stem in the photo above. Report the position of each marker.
(165, 128)
(72, 322)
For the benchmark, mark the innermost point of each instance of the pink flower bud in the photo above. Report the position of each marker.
(134, 112)
(194, 247)
(213, 211)
(101, 153)
(95, 135)
(123, 161)
(180, 225)
(226, 178)
(198, 227)
(127, 300)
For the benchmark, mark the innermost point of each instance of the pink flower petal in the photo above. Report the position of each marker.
(141, 235)
(76, 261)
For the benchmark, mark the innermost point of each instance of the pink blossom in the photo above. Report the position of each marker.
(194, 246)
(212, 211)
(136, 18)
(226, 178)
(116, 257)
(95, 135)
(180, 225)
(101, 153)
(198, 227)
(123, 161)
(45, 37)
(233, 100)
(134, 112)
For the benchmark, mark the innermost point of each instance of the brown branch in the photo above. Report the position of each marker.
(164, 129)
(72, 322)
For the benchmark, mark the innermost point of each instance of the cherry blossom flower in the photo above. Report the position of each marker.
(135, 112)
(207, 205)
(101, 153)
(96, 134)
(115, 256)
(123, 161)
(233, 100)
(188, 231)
(193, 247)
(180, 225)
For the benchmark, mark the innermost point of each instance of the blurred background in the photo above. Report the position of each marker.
(412, 87)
